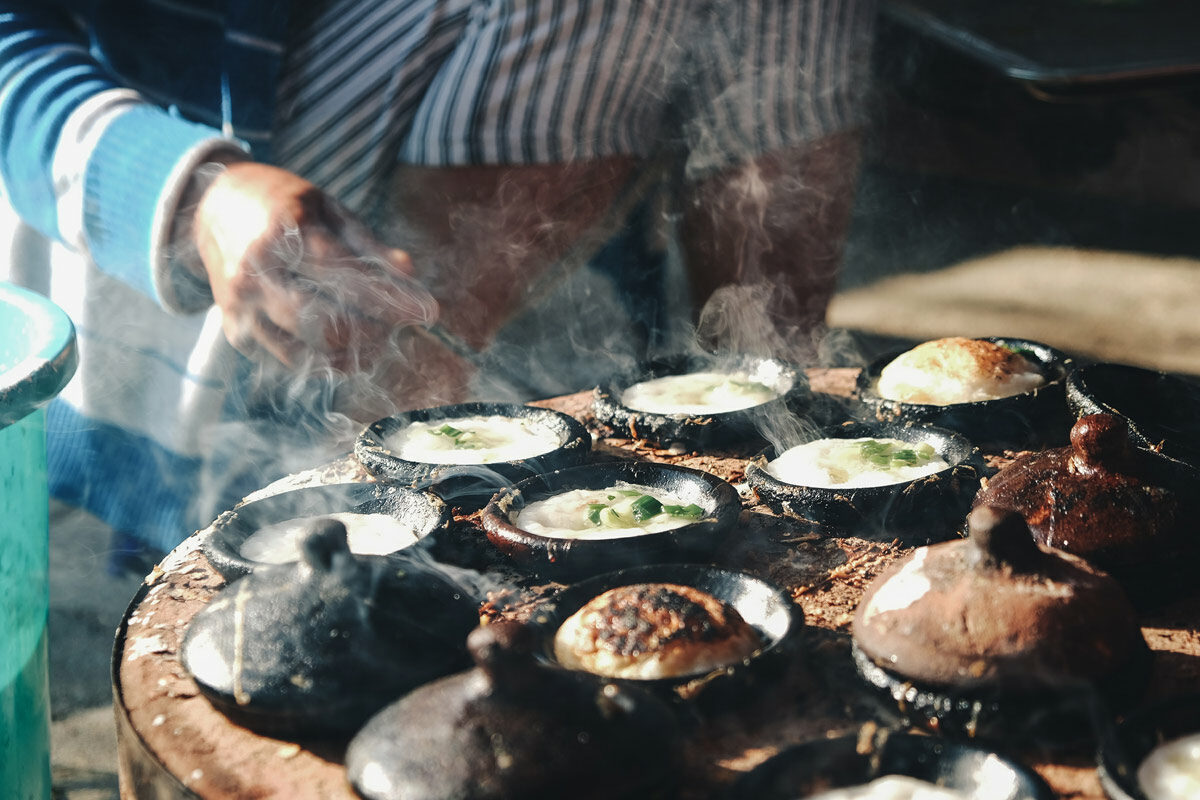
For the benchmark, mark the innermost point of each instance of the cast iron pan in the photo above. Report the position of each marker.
(471, 484)
(700, 431)
(1163, 410)
(770, 610)
(919, 511)
(821, 765)
(1130, 741)
(221, 542)
(571, 559)
(1028, 419)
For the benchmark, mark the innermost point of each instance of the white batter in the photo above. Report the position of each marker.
(473, 440)
(855, 463)
(893, 787)
(698, 393)
(366, 534)
(1172, 770)
(611, 513)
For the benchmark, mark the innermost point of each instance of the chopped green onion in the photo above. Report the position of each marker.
(448, 430)
(925, 450)
(646, 507)
(593, 513)
(690, 510)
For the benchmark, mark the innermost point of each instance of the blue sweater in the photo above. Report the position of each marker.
(51, 68)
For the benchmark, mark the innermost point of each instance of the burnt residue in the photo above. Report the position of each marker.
(643, 618)
(771, 612)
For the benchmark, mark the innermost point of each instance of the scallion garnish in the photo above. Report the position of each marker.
(645, 507)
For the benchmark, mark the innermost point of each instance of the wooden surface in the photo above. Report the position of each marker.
(169, 728)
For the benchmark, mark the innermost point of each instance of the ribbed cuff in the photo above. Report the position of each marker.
(132, 186)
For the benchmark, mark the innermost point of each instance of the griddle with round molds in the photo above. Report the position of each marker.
(1127, 743)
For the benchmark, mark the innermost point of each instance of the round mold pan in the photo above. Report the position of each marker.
(1128, 742)
(222, 541)
(764, 606)
(1029, 419)
(567, 559)
(1162, 410)
(1054, 719)
(701, 431)
(470, 485)
(919, 511)
(821, 765)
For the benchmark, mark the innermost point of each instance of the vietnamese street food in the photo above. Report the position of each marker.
(1172, 770)
(698, 393)
(854, 463)
(366, 534)
(650, 631)
(958, 370)
(473, 440)
(615, 512)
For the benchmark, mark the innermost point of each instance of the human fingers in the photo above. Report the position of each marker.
(376, 279)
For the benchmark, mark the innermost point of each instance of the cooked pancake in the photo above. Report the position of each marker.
(957, 370)
(654, 630)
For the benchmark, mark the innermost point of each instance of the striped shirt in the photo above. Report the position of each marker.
(107, 107)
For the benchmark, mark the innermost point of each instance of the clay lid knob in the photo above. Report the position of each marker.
(322, 539)
(1101, 441)
(1002, 539)
(503, 651)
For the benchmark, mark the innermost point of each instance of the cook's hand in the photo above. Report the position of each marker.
(298, 277)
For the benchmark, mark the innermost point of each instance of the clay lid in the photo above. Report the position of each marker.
(512, 727)
(999, 609)
(1101, 497)
(318, 645)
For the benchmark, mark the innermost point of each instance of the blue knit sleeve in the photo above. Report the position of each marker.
(132, 172)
